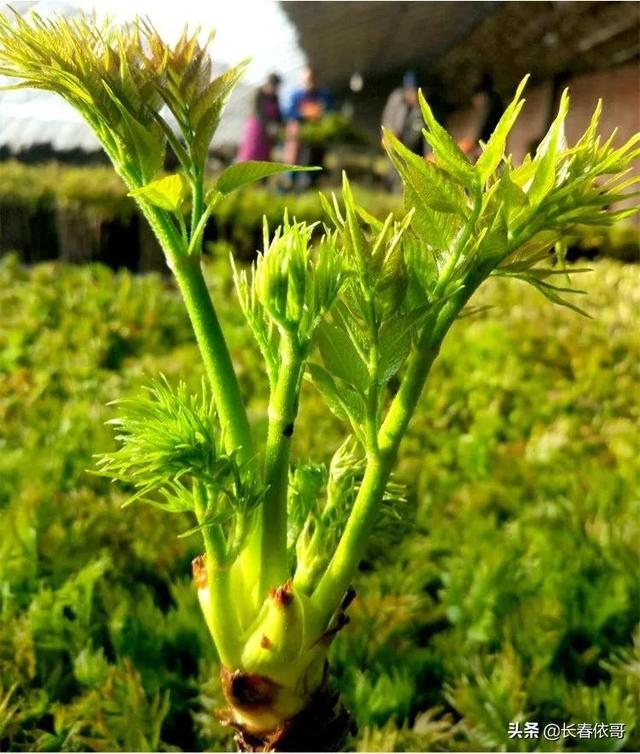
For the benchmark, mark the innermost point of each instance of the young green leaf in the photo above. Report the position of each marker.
(340, 356)
(356, 241)
(167, 193)
(431, 185)
(207, 109)
(394, 343)
(447, 152)
(168, 441)
(215, 94)
(346, 320)
(243, 173)
(326, 386)
(554, 292)
(143, 155)
(494, 150)
(547, 155)
(342, 401)
(509, 193)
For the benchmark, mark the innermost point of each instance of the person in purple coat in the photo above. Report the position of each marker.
(261, 129)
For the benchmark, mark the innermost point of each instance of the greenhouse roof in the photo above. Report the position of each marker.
(30, 118)
(449, 43)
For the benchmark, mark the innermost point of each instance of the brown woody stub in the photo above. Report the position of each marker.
(283, 595)
(329, 635)
(340, 620)
(199, 568)
(323, 725)
(348, 598)
(248, 691)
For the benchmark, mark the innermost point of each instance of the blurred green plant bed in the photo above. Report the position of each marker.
(53, 211)
(84, 214)
(332, 128)
(508, 592)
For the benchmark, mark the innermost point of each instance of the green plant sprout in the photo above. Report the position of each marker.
(361, 311)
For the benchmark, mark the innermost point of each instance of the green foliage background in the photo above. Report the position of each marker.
(508, 591)
(45, 206)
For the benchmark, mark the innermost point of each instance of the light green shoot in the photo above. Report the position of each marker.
(360, 307)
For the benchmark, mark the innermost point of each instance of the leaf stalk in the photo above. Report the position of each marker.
(215, 355)
(282, 412)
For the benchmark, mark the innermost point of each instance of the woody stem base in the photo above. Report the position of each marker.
(323, 725)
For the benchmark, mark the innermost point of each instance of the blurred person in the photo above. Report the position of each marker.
(402, 116)
(262, 126)
(309, 104)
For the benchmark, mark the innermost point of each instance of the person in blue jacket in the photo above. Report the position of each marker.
(309, 103)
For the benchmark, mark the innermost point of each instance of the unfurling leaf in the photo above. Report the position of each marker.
(167, 193)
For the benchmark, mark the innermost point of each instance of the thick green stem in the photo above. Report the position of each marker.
(197, 199)
(196, 212)
(215, 355)
(283, 408)
(222, 620)
(165, 231)
(336, 579)
(216, 598)
(404, 404)
(373, 396)
(213, 536)
(187, 271)
(195, 244)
